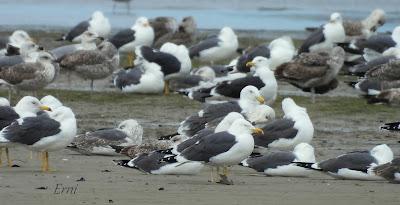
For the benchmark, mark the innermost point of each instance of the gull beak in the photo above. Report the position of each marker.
(250, 64)
(44, 107)
(257, 131)
(261, 99)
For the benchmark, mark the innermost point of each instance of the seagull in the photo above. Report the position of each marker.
(93, 64)
(97, 24)
(376, 45)
(185, 35)
(28, 52)
(144, 78)
(263, 79)
(282, 163)
(358, 165)
(250, 100)
(44, 133)
(216, 48)
(30, 76)
(140, 34)
(390, 171)
(101, 142)
(163, 25)
(27, 107)
(325, 38)
(294, 128)
(222, 148)
(172, 59)
(51, 102)
(16, 39)
(389, 96)
(312, 71)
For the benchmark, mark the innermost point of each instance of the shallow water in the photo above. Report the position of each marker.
(251, 14)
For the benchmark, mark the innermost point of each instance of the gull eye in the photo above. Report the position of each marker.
(122, 127)
(34, 103)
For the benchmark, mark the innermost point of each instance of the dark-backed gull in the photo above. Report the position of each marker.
(294, 128)
(16, 39)
(44, 133)
(325, 38)
(282, 163)
(216, 48)
(357, 165)
(97, 24)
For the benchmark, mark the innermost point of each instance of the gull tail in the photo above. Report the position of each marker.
(168, 137)
(124, 163)
(392, 126)
(308, 165)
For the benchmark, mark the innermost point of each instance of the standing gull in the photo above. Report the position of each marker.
(27, 107)
(43, 133)
(16, 39)
(357, 165)
(28, 52)
(223, 148)
(282, 163)
(97, 24)
(311, 72)
(325, 38)
(30, 76)
(216, 48)
(93, 64)
(101, 142)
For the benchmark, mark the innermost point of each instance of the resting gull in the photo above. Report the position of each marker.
(222, 148)
(357, 165)
(163, 25)
(250, 100)
(97, 24)
(16, 39)
(185, 35)
(101, 142)
(216, 48)
(281, 163)
(312, 72)
(28, 52)
(26, 107)
(391, 126)
(325, 38)
(51, 102)
(140, 34)
(172, 59)
(44, 133)
(144, 78)
(294, 128)
(93, 64)
(390, 171)
(30, 75)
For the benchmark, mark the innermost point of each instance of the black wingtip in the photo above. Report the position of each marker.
(169, 159)
(307, 165)
(164, 151)
(168, 137)
(352, 84)
(117, 148)
(393, 126)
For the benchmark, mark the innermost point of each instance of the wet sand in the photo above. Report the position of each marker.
(343, 123)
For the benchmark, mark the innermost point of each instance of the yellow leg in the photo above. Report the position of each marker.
(46, 167)
(8, 158)
(166, 87)
(31, 155)
(212, 180)
(225, 171)
(130, 59)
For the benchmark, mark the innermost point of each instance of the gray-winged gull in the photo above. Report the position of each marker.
(27, 107)
(216, 48)
(294, 128)
(325, 38)
(282, 163)
(357, 165)
(16, 39)
(44, 133)
(97, 24)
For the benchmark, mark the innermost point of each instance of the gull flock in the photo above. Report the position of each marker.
(237, 125)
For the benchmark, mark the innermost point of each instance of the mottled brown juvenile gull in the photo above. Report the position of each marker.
(186, 34)
(390, 171)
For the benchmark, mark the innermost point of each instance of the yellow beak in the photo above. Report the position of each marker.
(250, 64)
(44, 107)
(257, 131)
(261, 99)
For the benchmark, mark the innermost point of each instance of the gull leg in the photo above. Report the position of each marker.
(8, 158)
(224, 177)
(130, 59)
(166, 87)
(313, 95)
(9, 93)
(69, 78)
(42, 161)
(91, 85)
(45, 161)
(212, 176)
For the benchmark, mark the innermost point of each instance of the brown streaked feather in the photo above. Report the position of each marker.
(353, 28)
(134, 150)
(82, 57)
(20, 72)
(387, 71)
